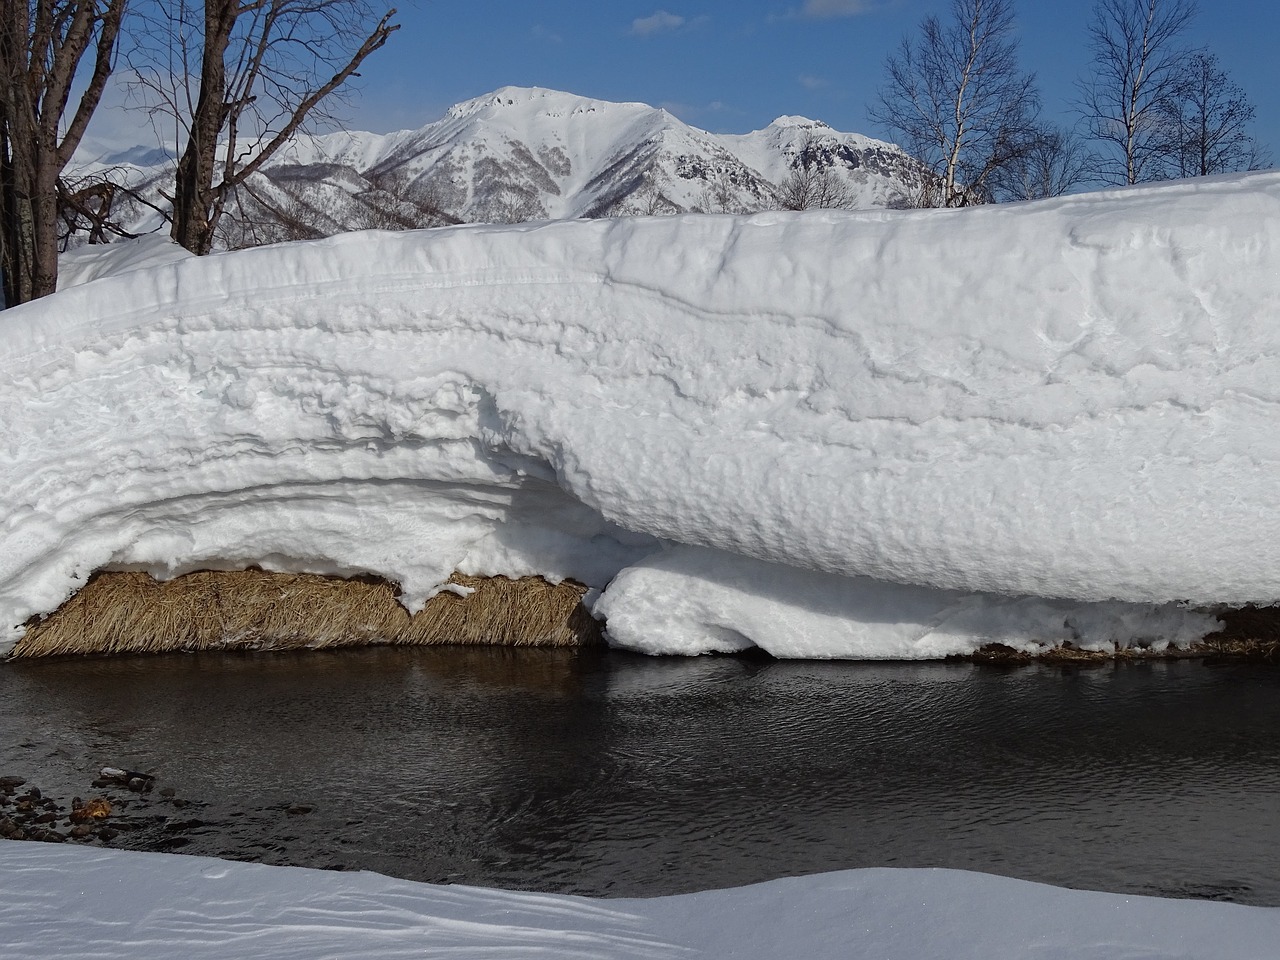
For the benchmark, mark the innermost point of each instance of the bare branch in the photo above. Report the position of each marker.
(955, 98)
(263, 70)
(1138, 61)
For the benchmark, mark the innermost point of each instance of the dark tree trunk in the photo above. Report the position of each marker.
(41, 48)
(204, 180)
(194, 206)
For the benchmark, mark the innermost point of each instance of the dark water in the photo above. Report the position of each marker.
(608, 774)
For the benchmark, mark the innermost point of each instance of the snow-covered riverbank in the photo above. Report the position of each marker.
(870, 434)
(74, 902)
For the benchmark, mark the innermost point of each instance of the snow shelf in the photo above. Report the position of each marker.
(909, 418)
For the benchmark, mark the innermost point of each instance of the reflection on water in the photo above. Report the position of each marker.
(609, 774)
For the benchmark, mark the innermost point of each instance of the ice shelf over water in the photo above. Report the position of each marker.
(829, 434)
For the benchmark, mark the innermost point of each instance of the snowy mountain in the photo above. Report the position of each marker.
(529, 154)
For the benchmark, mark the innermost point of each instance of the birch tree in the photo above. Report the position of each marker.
(956, 99)
(1138, 65)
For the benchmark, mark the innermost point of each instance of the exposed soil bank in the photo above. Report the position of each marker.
(1248, 633)
(119, 612)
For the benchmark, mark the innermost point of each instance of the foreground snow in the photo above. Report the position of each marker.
(864, 434)
(66, 903)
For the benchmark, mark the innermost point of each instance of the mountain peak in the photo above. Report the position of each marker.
(502, 97)
(790, 122)
(541, 99)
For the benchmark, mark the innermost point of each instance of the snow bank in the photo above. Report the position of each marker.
(1074, 399)
(95, 261)
(689, 600)
(67, 903)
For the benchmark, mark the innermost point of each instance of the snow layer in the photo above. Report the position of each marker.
(1075, 399)
(70, 903)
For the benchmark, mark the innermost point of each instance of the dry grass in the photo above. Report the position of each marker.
(252, 609)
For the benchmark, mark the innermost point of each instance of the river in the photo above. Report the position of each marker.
(611, 774)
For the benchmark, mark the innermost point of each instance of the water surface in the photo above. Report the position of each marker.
(617, 775)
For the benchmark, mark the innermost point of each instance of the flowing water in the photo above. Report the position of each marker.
(609, 774)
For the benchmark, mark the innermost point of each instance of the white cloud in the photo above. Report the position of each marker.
(810, 82)
(822, 9)
(658, 22)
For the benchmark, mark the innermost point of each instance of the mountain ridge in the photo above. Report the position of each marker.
(528, 153)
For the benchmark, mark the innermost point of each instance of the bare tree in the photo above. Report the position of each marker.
(397, 201)
(238, 78)
(640, 196)
(1207, 120)
(42, 44)
(956, 99)
(718, 197)
(1055, 163)
(1138, 67)
(510, 203)
(89, 207)
(812, 183)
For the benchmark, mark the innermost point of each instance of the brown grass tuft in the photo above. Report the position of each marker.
(119, 612)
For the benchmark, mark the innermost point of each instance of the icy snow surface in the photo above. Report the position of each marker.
(68, 903)
(1075, 399)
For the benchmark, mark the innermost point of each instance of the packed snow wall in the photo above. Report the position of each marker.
(922, 415)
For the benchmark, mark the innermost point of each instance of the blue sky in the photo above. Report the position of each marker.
(734, 65)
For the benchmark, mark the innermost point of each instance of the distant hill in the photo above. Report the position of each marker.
(527, 154)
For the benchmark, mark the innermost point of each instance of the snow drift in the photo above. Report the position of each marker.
(940, 411)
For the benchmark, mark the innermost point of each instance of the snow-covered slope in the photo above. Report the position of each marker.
(528, 154)
(877, 174)
(1073, 399)
(73, 902)
(534, 153)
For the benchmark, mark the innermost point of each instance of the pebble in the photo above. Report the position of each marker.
(36, 817)
(97, 808)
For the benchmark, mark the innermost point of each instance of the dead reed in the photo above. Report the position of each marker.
(118, 612)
